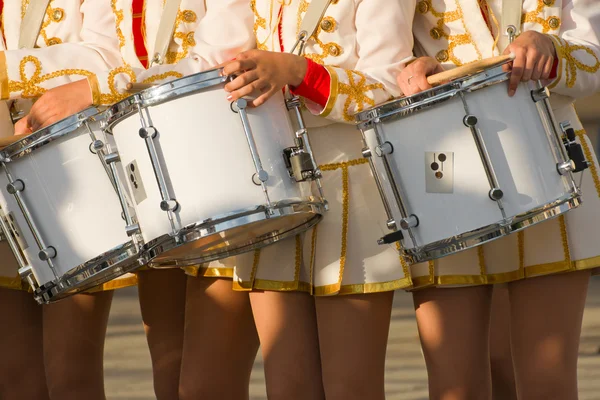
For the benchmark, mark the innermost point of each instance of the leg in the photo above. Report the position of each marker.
(547, 313)
(454, 328)
(503, 374)
(74, 333)
(287, 328)
(220, 341)
(353, 334)
(162, 302)
(22, 367)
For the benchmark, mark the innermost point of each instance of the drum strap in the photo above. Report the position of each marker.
(164, 35)
(511, 17)
(310, 22)
(32, 23)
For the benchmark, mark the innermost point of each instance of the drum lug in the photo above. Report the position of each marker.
(412, 221)
(366, 152)
(383, 149)
(47, 254)
(15, 187)
(148, 132)
(169, 205)
(96, 146)
(496, 194)
(26, 274)
(540, 94)
(132, 229)
(391, 225)
(565, 167)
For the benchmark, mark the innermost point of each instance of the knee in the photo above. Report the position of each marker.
(76, 383)
(166, 389)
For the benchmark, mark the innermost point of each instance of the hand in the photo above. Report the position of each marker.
(263, 72)
(54, 105)
(534, 57)
(413, 78)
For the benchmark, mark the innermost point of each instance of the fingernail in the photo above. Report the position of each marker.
(511, 92)
(229, 97)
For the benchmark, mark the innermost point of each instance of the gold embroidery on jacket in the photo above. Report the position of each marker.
(259, 22)
(30, 87)
(453, 40)
(356, 91)
(187, 38)
(327, 49)
(165, 75)
(551, 23)
(118, 21)
(564, 51)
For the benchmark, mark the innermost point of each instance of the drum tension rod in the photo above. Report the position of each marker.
(261, 176)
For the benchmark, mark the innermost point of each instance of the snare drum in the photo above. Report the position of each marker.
(60, 209)
(462, 164)
(209, 178)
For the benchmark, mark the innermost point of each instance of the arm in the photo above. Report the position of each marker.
(578, 50)
(30, 72)
(373, 80)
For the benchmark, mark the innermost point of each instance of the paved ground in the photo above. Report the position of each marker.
(128, 375)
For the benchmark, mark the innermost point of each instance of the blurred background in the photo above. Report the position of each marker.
(127, 361)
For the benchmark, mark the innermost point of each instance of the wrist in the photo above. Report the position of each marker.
(298, 70)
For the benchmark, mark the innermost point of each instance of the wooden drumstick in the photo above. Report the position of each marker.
(477, 66)
(138, 87)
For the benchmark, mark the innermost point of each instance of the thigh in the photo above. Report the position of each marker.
(162, 296)
(547, 314)
(503, 374)
(220, 341)
(22, 367)
(353, 334)
(74, 333)
(287, 327)
(454, 330)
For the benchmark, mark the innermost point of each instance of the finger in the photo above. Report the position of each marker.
(509, 49)
(246, 90)
(538, 70)
(238, 66)
(242, 80)
(531, 60)
(421, 82)
(548, 68)
(517, 71)
(21, 127)
(260, 100)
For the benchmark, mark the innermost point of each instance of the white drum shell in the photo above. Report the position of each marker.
(71, 200)
(518, 147)
(206, 158)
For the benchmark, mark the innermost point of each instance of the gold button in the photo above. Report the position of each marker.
(189, 38)
(436, 33)
(57, 14)
(554, 22)
(423, 6)
(549, 3)
(334, 50)
(442, 56)
(52, 41)
(327, 25)
(189, 16)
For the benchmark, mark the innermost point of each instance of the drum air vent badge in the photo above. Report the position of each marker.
(439, 172)
(135, 182)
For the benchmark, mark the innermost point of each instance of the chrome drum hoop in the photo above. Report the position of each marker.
(406, 106)
(113, 264)
(489, 233)
(50, 134)
(223, 223)
(163, 93)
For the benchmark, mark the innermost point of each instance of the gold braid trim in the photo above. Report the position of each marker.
(313, 245)
(345, 205)
(327, 49)
(30, 87)
(165, 75)
(564, 52)
(298, 259)
(357, 90)
(118, 21)
(481, 257)
(259, 22)
(521, 247)
(453, 40)
(534, 18)
(4, 92)
(187, 38)
(403, 263)
(114, 95)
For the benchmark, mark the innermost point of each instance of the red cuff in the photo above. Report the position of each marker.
(316, 84)
(554, 72)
